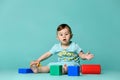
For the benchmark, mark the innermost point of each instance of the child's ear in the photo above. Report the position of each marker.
(71, 36)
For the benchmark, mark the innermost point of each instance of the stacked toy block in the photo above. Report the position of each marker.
(24, 70)
(73, 71)
(56, 70)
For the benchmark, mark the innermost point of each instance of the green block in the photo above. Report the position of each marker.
(56, 70)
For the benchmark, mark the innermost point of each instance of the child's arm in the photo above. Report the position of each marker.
(86, 56)
(43, 57)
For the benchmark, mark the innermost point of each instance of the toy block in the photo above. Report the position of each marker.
(56, 70)
(73, 71)
(24, 70)
(38, 65)
(90, 69)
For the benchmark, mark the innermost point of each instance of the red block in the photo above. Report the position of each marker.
(90, 69)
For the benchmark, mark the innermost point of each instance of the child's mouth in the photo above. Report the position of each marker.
(64, 39)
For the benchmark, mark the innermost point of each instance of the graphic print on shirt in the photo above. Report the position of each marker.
(68, 56)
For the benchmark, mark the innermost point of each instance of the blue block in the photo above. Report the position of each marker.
(24, 70)
(73, 70)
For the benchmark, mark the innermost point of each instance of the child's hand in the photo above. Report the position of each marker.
(89, 56)
(34, 63)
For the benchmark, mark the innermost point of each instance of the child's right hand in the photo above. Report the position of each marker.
(34, 63)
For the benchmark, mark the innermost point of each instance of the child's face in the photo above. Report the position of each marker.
(64, 36)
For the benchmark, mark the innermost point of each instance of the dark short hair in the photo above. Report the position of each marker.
(62, 26)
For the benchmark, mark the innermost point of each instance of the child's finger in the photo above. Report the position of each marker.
(92, 55)
(33, 63)
(88, 52)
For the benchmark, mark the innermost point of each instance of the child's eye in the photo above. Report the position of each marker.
(61, 34)
(66, 34)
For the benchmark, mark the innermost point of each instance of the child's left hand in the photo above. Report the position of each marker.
(89, 56)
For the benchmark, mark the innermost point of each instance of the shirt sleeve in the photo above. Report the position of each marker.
(78, 49)
(53, 49)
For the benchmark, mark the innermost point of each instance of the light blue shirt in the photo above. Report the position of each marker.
(67, 55)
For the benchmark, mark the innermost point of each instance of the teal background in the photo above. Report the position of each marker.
(28, 29)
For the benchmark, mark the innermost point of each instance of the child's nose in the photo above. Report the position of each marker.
(64, 36)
